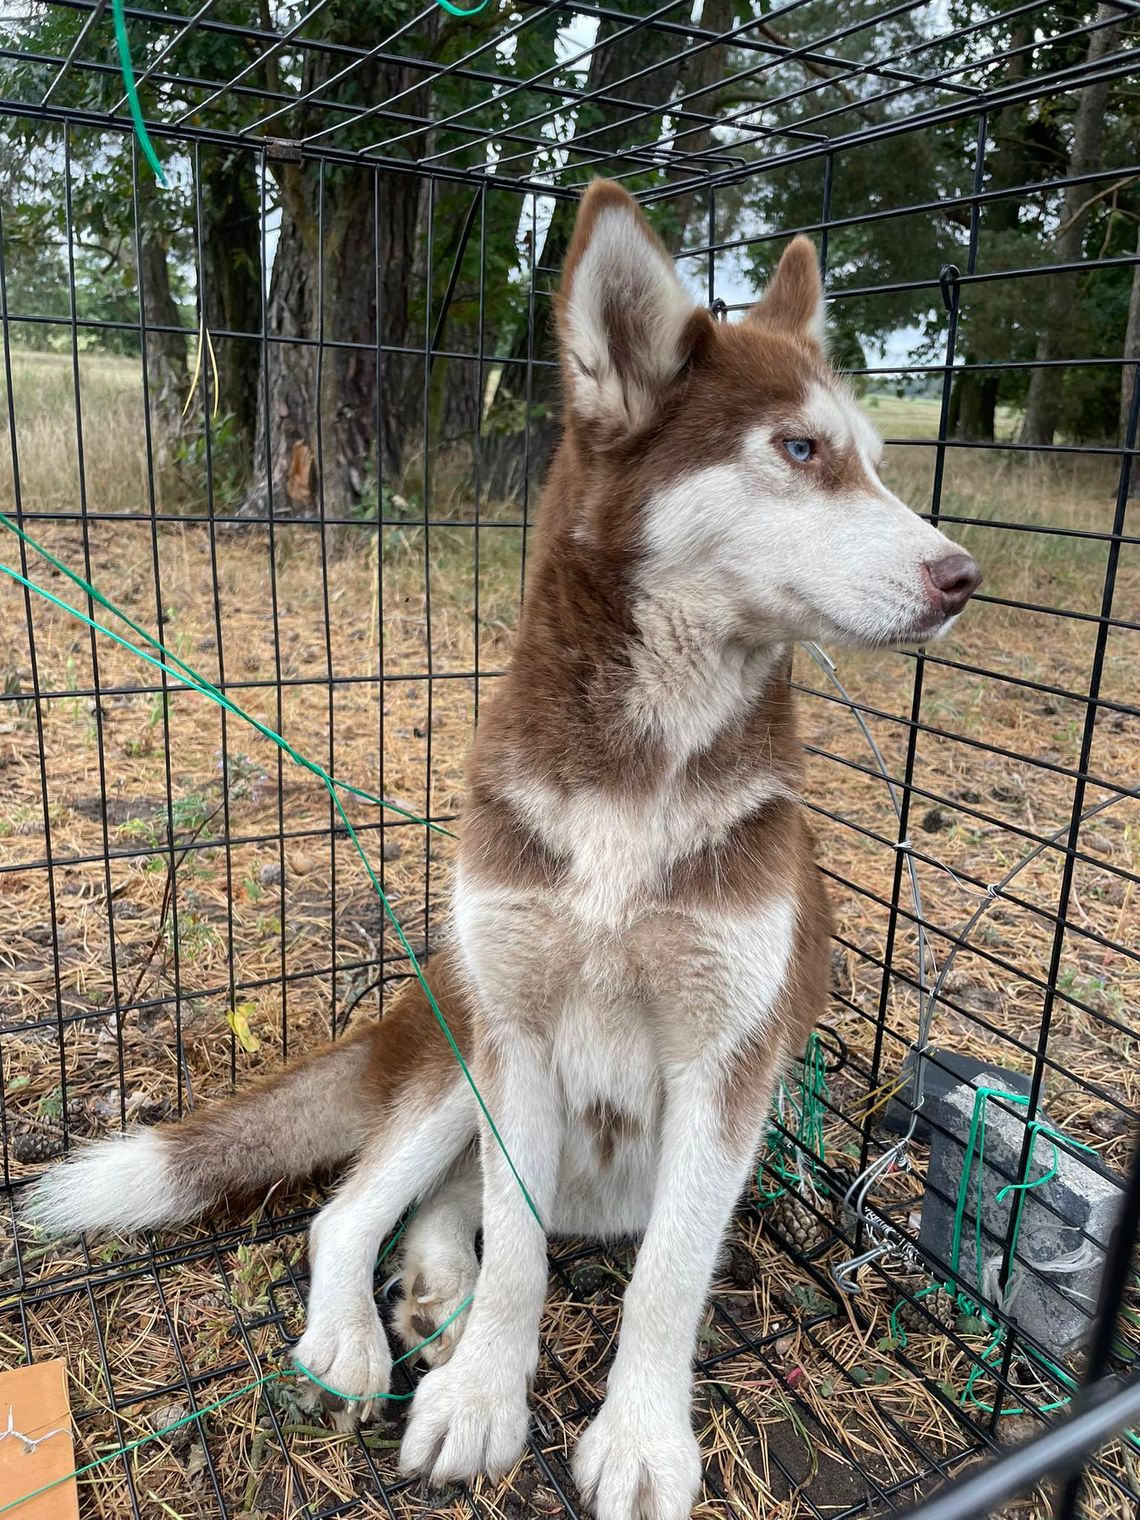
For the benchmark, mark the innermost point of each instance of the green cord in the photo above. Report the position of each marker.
(269, 1377)
(809, 1124)
(185, 674)
(132, 95)
(198, 683)
(453, 10)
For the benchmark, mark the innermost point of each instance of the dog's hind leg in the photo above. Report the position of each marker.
(439, 1266)
(344, 1344)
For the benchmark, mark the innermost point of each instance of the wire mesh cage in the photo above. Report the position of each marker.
(280, 384)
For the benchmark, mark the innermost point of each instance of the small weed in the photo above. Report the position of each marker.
(144, 830)
(24, 707)
(188, 813)
(196, 934)
(245, 779)
(392, 504)
(142, 746)
(50, 1105)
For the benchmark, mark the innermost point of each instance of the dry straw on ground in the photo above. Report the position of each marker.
(799, 1386)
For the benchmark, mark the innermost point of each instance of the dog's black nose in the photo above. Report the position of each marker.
(953, 581)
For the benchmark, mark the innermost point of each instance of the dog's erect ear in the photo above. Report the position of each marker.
(626, 322)
(793, 301)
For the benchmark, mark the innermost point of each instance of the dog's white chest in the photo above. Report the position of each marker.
(620, 849)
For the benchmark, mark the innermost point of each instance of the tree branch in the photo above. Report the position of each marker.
(1109, 190)
(810, 66)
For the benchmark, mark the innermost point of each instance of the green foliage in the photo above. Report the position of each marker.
(225, 451)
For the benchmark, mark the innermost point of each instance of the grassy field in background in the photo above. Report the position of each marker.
(917, 416)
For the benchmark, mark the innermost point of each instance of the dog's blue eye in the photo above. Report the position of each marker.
(801, 449)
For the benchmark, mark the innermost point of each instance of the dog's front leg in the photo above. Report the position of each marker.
(344, 1344)
(639, 1460)
(470, 1416)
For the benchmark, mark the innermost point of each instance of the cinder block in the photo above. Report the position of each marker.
(1069, 1217)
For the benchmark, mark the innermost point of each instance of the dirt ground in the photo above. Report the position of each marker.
(360, 647)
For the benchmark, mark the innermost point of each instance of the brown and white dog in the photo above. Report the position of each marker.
(640, 936)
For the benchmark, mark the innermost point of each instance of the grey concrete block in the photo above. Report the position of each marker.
(1067, 1219)
(944, 1069)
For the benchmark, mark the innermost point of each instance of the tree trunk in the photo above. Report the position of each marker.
(331, 223)
(167, 371)
(1128, 373)
(329, 464)
(1043, 405)
(973, 399)
(284, 454)
(231, 249)
(1131, 353)
(700, 71)
(973, 405)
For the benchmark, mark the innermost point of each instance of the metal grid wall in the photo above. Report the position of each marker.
(482, 143)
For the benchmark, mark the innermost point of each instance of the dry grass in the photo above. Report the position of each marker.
(781, 1422)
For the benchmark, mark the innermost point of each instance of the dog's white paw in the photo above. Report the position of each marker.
(630, 1465)
(469, 1417)
(349, 1353)
(435, 1287)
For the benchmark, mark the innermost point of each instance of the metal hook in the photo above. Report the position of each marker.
(948, 277)
(718, 310)
(845, 1272)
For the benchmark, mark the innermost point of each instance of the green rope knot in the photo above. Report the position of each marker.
(786, 1158)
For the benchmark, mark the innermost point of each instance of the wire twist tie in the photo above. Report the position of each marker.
(29, 1443)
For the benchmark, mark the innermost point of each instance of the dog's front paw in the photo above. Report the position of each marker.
(349, 1354)
(631, 1465)
(467, 1418)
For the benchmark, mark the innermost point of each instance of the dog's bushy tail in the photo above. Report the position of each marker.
(316, 1113)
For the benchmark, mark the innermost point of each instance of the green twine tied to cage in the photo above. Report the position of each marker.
(131, 90)
(785, 1158)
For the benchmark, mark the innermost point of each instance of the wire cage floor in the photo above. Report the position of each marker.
(291, 412)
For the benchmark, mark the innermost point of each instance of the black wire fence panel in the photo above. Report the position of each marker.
(290, 410)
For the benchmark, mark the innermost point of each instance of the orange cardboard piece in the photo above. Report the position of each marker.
(36, 1396)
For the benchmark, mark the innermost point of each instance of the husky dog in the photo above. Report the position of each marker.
(639, 935)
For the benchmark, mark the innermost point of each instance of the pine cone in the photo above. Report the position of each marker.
(39, 1144)
(737, 1264)
(800, 1225)
(939, 1303)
